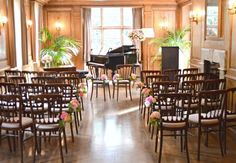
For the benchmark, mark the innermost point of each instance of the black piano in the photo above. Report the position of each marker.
(125, 54)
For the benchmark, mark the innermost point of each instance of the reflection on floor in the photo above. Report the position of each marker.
(114, 132)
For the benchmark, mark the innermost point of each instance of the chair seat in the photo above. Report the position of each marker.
(122, 81)
(49, 124)
(174, 123)
(194, 118)
(25, 123)
(100, 81)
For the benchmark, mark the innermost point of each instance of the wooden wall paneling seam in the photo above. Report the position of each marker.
(32, 31)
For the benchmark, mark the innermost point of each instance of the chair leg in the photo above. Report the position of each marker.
(161, 143)
(96, 90)
(71, 130)
(65, 142)
(126, 92)
(109, 91)
(9, 141)
(206, 140)
(76, 123)
(199, 142)
(152, 133)
(156, 141)
(130, 91)
(21, 145)
(118, 87)
(186, 145)
(181, 141)
(220, 140)
(14, 141)
(91, 93)
(224, 136)
(104, 91)
(113, 92)
(60, 145)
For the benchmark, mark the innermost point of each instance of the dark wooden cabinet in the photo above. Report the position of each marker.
(170, 58)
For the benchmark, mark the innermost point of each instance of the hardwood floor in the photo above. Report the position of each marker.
(114, 132)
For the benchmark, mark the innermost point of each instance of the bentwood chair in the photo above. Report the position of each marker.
(211, 108)
(173, 117)
(9, 73)
(29, 74)
(125, 72)
(97, 72)
(12, 120)
(66, 91)
(8, 88)
(46, 110)
(215, 84)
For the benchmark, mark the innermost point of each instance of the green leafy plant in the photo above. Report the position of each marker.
(60, 48)
(172, 39)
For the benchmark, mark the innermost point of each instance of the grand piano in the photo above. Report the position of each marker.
(125, 54)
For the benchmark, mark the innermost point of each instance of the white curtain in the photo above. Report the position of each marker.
(137, 24)
(87, 34)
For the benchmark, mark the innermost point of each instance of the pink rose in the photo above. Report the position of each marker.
(146, 91)
(81, 94)
(155, 115)
(65, 116)
(116, 77)
(74, 104)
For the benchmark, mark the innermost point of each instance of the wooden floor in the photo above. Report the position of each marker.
(114, 132)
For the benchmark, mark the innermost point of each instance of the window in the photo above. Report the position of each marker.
(110, 28)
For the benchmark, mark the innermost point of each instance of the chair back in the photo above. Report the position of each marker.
(146, 73)
(164, 87)
(11, 110)
(46, 108)
(124, 71)
(44, 80)
(17, 79)
(2, 78)
(9, 73)
(212, 104)
(174, 108)
(215, 84)
(190, 71)
(29, 74)
(155, 78)
(8, 88)
(97, 71)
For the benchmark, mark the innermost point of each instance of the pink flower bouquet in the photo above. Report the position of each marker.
(103, 77)
(82, 90)
(64, 118)
(136, 35)
(140, 85)
(116, 77)
(74, 106)
(155, 118)
(146, 92)
(149, 101)
(46, 59)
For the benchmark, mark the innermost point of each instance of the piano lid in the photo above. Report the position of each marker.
(122, 49)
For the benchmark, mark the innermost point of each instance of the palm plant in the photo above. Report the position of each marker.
(60, 48)
(172, 39)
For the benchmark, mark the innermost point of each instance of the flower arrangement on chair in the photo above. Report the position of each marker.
(149, 101)
(89, 76)
(74, 106)
(103, 77)
(133, 77)
(145, 92)
(154, 118)
(82, 90)
(116, 77)
(64, 118)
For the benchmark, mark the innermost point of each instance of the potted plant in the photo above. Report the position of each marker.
(57, 50)
(172, 44)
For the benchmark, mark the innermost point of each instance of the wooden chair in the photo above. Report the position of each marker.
(2, 78)
(12, 120)
(16, 79)
(66, 91)
(125, 72)
(45, 80)
(210, 114)
(9, 73)
(215, 84)
(96, 72)
(46, 109)
(173, 118)
(190, 71)
(26, 90)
